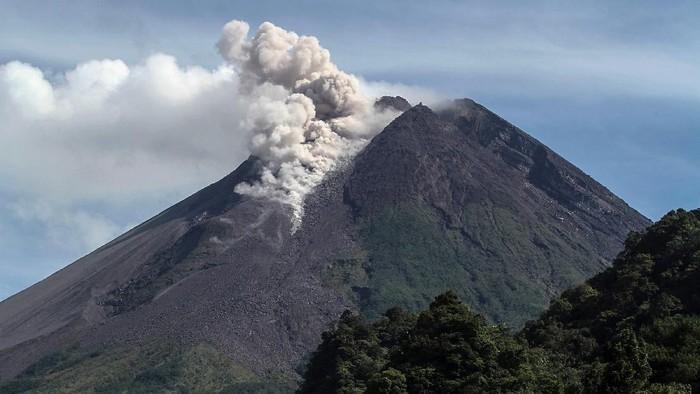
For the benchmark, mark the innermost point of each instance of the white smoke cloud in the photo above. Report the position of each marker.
(82, 150)
(323, 120)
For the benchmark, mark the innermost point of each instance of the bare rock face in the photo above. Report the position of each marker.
(397, 102)
(457, 199)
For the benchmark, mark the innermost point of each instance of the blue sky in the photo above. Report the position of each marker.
(614, 87)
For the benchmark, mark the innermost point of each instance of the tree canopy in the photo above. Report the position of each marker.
(634, 328)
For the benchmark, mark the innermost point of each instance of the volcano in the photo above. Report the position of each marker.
(452, 198)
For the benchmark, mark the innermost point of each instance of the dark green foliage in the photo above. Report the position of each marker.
(346, 358)
(674, 347)
(388, 381)
(638, 320)
(628, 368)
(445, 349)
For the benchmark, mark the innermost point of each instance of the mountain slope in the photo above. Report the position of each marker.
(457, 198)
(634, 328)
(467, 201)
(650, 294)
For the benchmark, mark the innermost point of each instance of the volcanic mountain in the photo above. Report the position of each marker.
(455, 198)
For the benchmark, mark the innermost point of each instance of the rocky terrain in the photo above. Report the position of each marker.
(455, 198)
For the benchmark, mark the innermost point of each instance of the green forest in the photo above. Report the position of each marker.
(634, 328)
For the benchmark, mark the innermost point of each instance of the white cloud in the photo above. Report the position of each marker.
(111, 135)
(111, 132)
(107, 136)
(24, 89)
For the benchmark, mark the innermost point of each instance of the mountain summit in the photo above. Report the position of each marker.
(455, 198)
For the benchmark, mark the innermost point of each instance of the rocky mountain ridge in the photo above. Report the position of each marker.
(456, 198)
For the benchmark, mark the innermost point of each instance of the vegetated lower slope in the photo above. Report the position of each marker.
(457, 198)
(642, 315)
(444, 349)
(157, 367)
(635, 328)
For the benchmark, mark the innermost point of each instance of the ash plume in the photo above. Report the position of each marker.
(317, 119)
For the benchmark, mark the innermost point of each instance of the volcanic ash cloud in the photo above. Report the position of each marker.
(317, 119)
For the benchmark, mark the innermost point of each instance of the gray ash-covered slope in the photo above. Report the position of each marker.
(452, 199)
(462, 199)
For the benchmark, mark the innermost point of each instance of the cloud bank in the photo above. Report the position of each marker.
(105, 130)
(108, 134)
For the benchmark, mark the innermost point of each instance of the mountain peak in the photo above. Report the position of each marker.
(397, 102)
(463, 170)
(466, 103)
